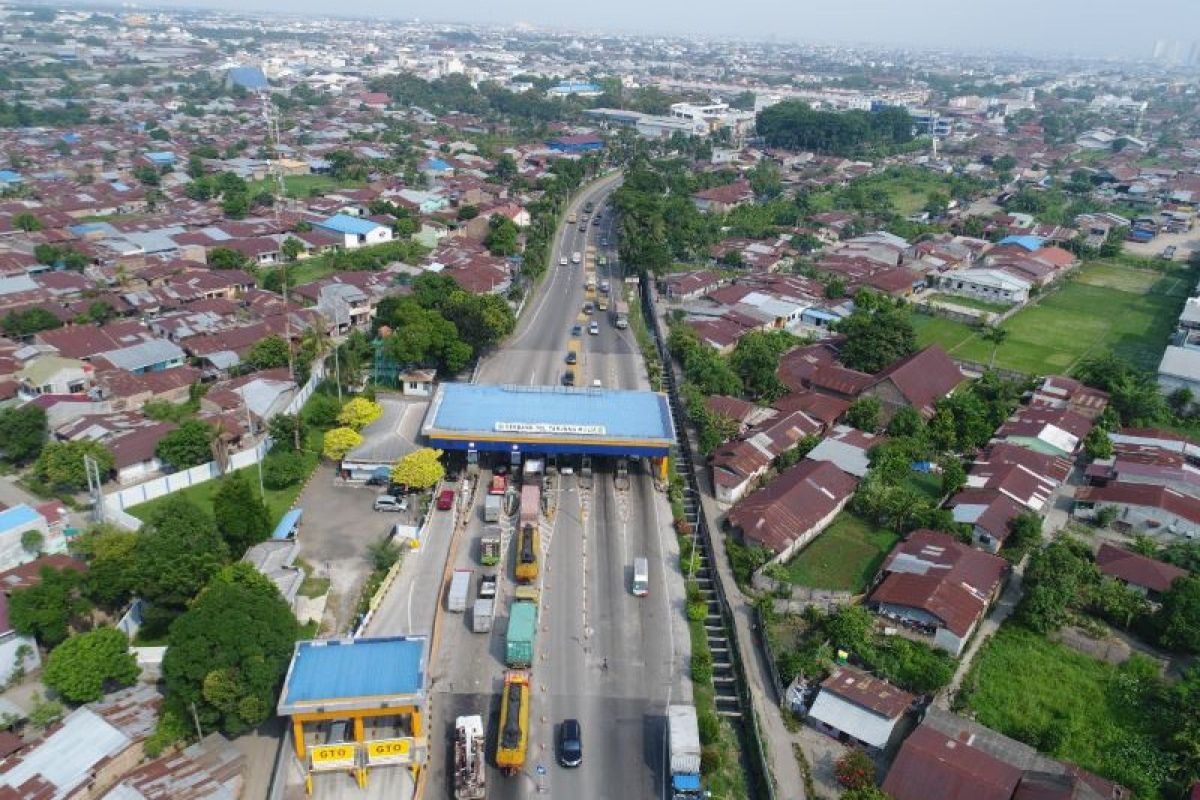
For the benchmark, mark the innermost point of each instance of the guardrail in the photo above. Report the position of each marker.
(759, 772)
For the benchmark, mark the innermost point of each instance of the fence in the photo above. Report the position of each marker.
(754, 750)
(117, 501)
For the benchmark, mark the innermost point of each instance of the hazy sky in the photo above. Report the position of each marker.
(1093, 27)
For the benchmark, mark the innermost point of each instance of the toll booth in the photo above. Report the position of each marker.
(357, 705)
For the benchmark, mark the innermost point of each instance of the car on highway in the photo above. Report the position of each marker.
(594, 328)
(588, 308)
(568, 378)
(596, 221)
(572, 357)
(583, 228)
(570, 743)
(596, 384)
(445, 500)
(604, 286)
(576, 330)
(562, 262)
(575, 257)
(385, 502)
(604, 242)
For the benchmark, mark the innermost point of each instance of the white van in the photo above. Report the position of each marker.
(641, 577)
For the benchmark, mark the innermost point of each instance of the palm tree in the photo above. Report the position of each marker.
(997, 336)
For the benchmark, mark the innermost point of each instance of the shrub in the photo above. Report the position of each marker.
(283, 469)
(702, 666)
(855, 770)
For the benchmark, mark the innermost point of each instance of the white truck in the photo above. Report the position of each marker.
(683, 733)
(481, 615)
(460, 589)
(492, 505)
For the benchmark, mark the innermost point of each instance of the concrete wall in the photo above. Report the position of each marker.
(10, 643)
(12, 554)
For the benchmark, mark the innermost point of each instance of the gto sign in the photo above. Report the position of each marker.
(550, 427)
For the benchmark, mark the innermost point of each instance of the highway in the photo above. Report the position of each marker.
(603, 656)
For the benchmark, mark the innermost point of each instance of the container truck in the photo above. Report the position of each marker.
(513, 737)
(460, 588)
(492, 505)
(527, 554)
(522, 626)
(621, 309)
(683, 734)
(470, 771)
(481, 615)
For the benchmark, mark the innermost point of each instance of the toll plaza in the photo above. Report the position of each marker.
(357, 705)
(550, 420)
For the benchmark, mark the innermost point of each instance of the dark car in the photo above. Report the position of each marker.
(572, 357)
(568, 378)
(576, 330)
(570, 743)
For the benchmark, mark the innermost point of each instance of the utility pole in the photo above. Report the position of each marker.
(262, 492)
(196, 720)
(92, 470)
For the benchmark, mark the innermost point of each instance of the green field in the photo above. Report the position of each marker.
(1067, 704)
(846, 556)
(1104, 306)
(303, 185)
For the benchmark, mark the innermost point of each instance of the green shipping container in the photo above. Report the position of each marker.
(522, 625)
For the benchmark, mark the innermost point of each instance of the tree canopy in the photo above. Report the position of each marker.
(878, 333)
(82, 667)
(359, 413)
(793, 125)
(22, 433)
(228, 652)
(46, 609)
(420, 469)
(240, 514)
(61, 464)
(178, 550)
(187, 446)
(340, 441)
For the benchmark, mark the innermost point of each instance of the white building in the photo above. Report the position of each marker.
(1180, 369)
(356, 232)
(992, 285)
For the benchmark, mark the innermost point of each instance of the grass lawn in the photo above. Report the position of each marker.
(1067, 704)
(970, 302)
(278, 501)
(309, 270)
(303, 185)
(845, 556)
(1106, 306)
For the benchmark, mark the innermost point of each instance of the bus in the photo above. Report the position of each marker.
(641, 577)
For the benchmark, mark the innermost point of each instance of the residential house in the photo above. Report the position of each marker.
(417, 382)
(747, 415)
(1179, 369)
(93, 748)
(1143, 574)
(949, 757)
(991, 285)
(1142, 508)
(1045, 429)
(15, 523)
(683, 286)
(1060, 392)
(17, 650)
(345, 306)
(794, 508)
(210, 769)
(847, 448)
(736, 465)
(857, 708)
(722, 199)
(938, 586)
(53, 375)
(355, 232)
(917, 382)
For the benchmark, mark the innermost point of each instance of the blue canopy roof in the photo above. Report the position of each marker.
(344, 223)
(353, 671)
(686, 782)
(1030, 243)
(287, 525)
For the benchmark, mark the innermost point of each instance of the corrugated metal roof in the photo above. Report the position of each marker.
(18, 517)
(144, 354)
(864, 725)
(67, 757)
(344, 223)
(326, 671)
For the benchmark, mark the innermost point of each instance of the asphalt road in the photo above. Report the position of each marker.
(603, 656)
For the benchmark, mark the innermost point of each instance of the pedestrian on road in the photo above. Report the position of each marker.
(604, 664)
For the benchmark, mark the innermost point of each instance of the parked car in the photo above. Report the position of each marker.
(385, 502)
(445, 500)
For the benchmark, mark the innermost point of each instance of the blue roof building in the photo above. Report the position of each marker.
(1030, 243)
(580, 88)
(346, 224)
(549, 419)
(8, 177)
(162, 158)
(582, 143)
(435, 165)
(251, 78)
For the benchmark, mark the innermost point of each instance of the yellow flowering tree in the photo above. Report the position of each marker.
(340, 441)
(419, 469)
(359, 413)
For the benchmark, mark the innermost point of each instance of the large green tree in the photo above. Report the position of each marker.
(61, 464)
(228, 653)
(45, 610)
(82, 667)
(22, 433)
(268, 353)
(756, 361)
(187, 446)
(1178, 620)
(1055, 582)
(878, 333)
(178, 550)
(241, 516)
(111, 574)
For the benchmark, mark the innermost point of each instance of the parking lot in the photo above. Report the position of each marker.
(338, 527)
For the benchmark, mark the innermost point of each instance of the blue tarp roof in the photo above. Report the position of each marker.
(344, 223)
(1030, 243)
(437, 163)
(162, 156)
(8, 176)
(467, 408)
(288, 524)
(686, 782)
(817, 313)
(248, 77)
(347, 669)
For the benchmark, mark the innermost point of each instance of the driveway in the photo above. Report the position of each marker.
(339, 525)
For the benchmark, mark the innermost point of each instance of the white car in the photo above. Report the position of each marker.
(385, 502)
(575, 257)
(594, 328)
(562, 262)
